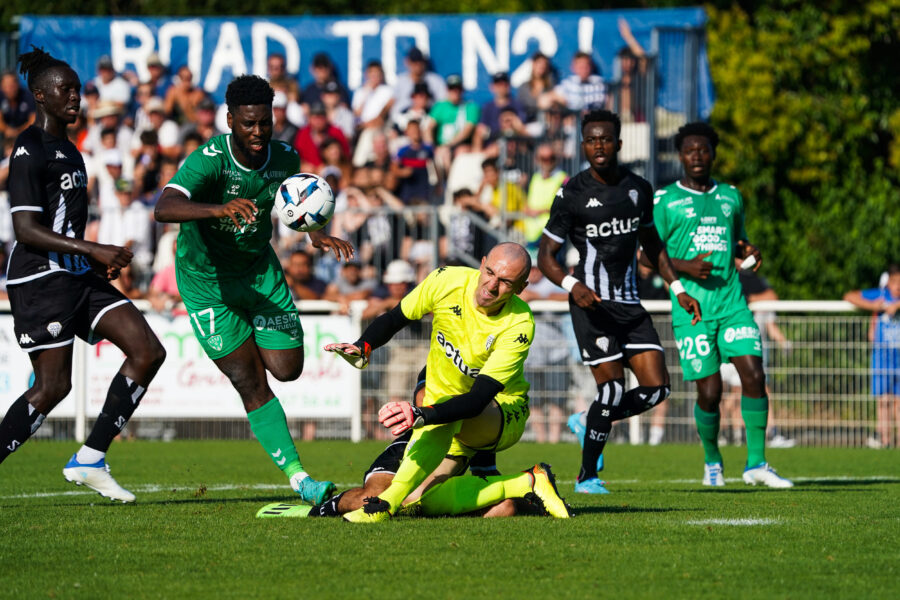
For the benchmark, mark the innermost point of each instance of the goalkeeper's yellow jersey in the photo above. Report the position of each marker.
(465, 342)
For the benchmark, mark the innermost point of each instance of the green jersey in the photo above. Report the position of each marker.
(215, 248)
(692, 223)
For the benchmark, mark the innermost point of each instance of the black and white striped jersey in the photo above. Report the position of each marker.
(47, 176)
(602, 223)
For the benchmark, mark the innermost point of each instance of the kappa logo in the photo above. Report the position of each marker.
(489, 342)
(21, 152)
(522, 339)
(55, 328)
(25, 339)
(456, 310)
(633, 194)
(211, 152)
(61, 155)
(442, 269)
(726, 209)
(602, 343)
(593, 203)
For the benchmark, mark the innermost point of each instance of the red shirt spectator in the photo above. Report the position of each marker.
(311, 137)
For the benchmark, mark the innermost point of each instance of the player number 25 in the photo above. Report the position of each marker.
(686, 346)
(212, 321)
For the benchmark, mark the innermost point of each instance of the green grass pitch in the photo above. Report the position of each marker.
(660, 534)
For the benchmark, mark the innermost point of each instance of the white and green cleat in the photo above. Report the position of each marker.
(767, 476)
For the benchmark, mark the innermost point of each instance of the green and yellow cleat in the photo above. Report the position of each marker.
(280, 509)
(544, 487)
(375, 510)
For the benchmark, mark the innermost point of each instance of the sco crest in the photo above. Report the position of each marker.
(726, 209)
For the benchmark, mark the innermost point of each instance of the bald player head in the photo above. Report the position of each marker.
(504, 273)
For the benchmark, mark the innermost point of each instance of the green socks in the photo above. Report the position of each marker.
(269, 425)
(467, 493)
(425, 451)
(708, 429)
(755, 412)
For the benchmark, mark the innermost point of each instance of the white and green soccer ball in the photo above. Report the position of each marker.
(304, 202)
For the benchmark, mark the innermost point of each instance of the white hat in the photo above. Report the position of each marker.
(280, 100)
(106, 108)
(154, 104)
(399, 271)
(112, 158)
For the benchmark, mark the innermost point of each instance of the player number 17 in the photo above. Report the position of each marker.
(212, 321)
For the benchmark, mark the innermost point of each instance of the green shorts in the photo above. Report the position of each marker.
(224, 313)
(709, 343)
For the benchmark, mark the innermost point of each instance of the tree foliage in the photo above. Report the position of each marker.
(806, 105)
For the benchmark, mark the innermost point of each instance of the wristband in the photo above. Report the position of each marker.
(748, 263)
(568, 283)
(677, 287)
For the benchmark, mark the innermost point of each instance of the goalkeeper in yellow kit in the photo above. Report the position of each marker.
(476, 396)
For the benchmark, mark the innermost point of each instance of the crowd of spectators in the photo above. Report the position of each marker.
(392, 153)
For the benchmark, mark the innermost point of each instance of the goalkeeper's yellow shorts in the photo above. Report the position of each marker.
(515, 413)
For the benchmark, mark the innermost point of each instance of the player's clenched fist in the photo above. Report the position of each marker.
(401, 416)
(584, 296)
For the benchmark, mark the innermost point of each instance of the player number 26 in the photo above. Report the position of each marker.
(686, 346)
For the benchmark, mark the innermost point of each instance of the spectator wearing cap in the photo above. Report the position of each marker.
(583, 89)
(323, 71)
(110, 85)
(282, 128)
(419, 108)
(158, 81)
(413, 167)
(451, 123)
(310, 138)
(183, 97)
(203, 125)
(279, 79)
(398, 280)
(167, 135)
(349, 286)
(489, 127)
(338, 113)
(416, 72)
(107, 116)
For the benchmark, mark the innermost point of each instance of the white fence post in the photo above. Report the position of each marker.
(79, 388)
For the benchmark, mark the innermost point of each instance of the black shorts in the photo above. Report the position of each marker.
(50, 311)
(612, 330)
(389, 460)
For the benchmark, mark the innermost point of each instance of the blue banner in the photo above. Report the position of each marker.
(474, 46)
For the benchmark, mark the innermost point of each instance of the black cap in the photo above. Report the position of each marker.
(331, 87)
(90, 88)
(421, 88)
(105, 62)
(500, 76)
(454, 81)
(317, 108)
(415, 55)
(206, 104)
(321, 59)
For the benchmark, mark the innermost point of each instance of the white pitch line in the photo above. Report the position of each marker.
(739, 522)
(148, 488)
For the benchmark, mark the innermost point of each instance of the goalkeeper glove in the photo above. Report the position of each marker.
(402, 414)
(359, 359)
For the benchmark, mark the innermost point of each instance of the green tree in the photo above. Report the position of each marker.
(806, 104)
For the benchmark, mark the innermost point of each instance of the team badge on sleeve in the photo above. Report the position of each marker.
(633, 194)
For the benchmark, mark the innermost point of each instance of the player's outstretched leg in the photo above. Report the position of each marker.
(125, 327)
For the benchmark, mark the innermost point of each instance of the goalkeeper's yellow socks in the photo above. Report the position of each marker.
(269, 425)
(755, 412)
(467, 493)
(708, 430)
(424, 452)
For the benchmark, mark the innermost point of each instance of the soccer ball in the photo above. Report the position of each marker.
(304, 202)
